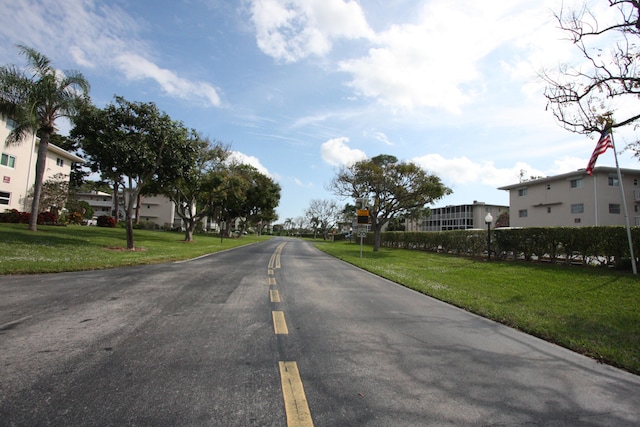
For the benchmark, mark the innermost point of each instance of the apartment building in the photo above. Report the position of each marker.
(18, 167)
(457, 217)
(575, 199)
(158, 209)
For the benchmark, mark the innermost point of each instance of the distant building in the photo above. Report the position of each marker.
(157, 209)
(575, 199)
(458, 217)
(18, 167)
(102, 203)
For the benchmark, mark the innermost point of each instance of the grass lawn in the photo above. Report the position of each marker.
(593, 311)
(54, 249)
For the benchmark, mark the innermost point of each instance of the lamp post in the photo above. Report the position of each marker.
(488, 219)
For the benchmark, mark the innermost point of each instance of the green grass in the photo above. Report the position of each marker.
(55, 249)
(593, 311)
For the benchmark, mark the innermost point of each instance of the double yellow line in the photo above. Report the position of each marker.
(295, 401)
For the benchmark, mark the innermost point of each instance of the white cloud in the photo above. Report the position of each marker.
(94, 35)
(237, 156)
(438, 61)
(290, 30)
(462, 170)
(135, 67)
(336, 152)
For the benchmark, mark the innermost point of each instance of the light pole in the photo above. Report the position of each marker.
(488, 219)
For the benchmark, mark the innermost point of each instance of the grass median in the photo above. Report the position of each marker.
(593, 311)
(74, 248)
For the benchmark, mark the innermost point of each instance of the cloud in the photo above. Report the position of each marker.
(135, 67)
(93, 35)
(336, 152)
(290, 30)
(237, 156)
(441, 59)
(462, 170)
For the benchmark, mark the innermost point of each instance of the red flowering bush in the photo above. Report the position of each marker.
(106, 221)
(14, 216)
(47, 218)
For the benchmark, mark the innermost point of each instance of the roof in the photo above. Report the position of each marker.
(577, 174)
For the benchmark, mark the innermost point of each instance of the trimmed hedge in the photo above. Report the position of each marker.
(571, 245)
(14, 216)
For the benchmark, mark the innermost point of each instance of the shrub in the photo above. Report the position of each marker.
(15, 217)
(47, 218)
(75, 218)
(106, 221)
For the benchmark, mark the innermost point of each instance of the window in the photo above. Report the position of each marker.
(614, 208)
(613, 181)
(4, 198)
(577, 220)
(59, 162)
(522, 213)
(577, 208)
(10, 124)
(522, 192)
(548, 186)
(576, 183)
(8, 160)
(548, 209)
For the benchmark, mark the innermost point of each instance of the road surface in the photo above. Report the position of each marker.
(279, 334)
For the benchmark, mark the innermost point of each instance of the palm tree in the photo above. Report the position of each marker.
(34, 99)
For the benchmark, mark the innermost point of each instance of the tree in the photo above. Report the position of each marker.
(596, 95)
(243, 192)
(322, 215)
(136, 145)
(191, 191)
(34, 100)
(54, 194)
(393, 188)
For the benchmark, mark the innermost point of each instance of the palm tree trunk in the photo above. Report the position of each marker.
(43, 147)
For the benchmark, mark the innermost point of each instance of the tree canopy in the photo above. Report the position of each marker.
(135, 145)
(600, 92)
(392, 187)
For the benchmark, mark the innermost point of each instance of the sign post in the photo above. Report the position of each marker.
(363, 225)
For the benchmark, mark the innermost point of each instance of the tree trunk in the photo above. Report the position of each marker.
(376, 239)
(129, 223)
(189, 227)
(43, 147)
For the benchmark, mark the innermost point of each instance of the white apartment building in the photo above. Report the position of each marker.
(158, 209)
(575, 199)
(18, 167)
(458, 217)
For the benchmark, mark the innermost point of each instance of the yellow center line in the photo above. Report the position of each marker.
(295, 401)
(279, 324)
(274, 295)
(270, 272)
(272, 280)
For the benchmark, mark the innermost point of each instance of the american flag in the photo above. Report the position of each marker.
(605, 142)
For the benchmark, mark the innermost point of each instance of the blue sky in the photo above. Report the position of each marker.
(300, 87)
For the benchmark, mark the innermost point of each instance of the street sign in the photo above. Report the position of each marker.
(363, 216)
(362, 233)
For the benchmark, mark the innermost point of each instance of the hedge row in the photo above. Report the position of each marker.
(581, 245)
(14, 216)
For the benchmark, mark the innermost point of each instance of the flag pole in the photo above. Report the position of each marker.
(624, 206)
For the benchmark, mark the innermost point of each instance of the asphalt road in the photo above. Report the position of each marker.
(278, 334)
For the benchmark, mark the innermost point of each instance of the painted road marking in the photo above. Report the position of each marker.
(295, 402)
(274, 295)
(279, 324)
(274, 262)
(270, 272)
(272, 280)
